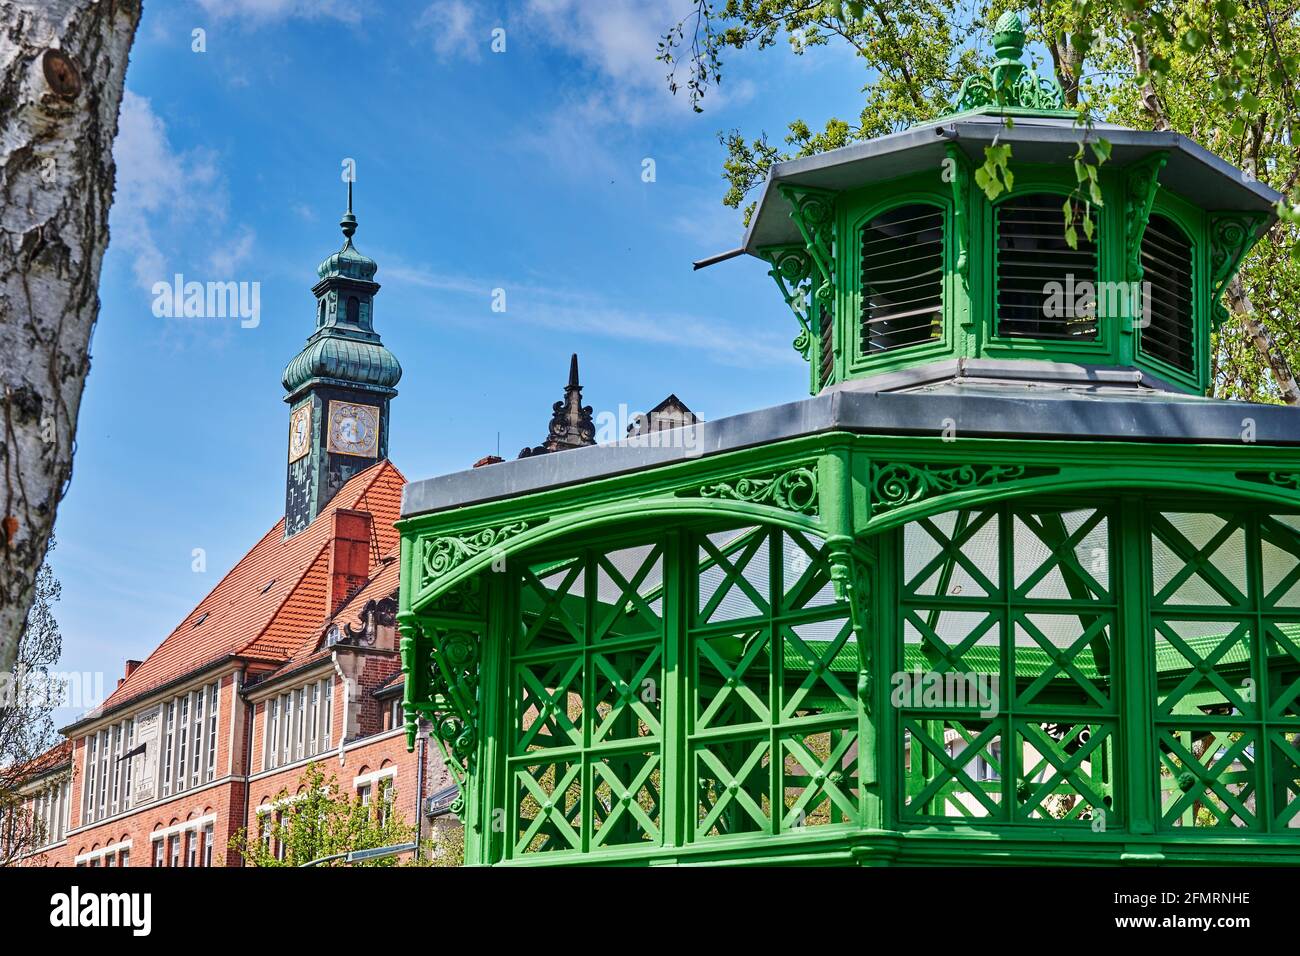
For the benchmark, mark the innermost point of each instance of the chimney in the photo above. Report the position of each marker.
(488, 460)
(130, 668)
(349, 556)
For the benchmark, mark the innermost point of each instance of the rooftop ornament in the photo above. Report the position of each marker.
(1011, 85)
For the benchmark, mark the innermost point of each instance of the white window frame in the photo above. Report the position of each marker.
(214, 709)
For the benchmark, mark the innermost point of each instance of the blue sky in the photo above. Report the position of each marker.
(475, 170)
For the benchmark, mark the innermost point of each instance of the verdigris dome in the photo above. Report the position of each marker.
(349, 263)
(342, 358)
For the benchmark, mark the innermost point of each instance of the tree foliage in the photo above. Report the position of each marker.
(27, 700)
(321, 820)
(1224, 72)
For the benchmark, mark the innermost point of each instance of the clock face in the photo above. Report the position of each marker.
(354, 429)
(300, 432)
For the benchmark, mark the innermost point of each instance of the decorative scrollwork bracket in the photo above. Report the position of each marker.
(895, 484)
(1231, 236)
(792, 268)
(1142, 182)
(441, 555)
(813, 211)
(445, 691)
(792, 490)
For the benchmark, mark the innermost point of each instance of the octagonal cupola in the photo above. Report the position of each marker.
(1009, 239)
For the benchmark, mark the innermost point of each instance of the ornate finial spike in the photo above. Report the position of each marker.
(573, 371)
(349, 222)
(1010, 83)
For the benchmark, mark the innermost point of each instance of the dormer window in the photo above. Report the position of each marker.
(1166, 324)
(1045, 289)
(902, 278)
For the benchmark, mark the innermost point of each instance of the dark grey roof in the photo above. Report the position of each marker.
(1192, 171)
(982, 400)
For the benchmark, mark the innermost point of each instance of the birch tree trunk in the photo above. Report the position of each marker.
(62, 68)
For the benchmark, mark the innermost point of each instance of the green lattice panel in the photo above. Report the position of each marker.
(1208, 778)
(1008, 696)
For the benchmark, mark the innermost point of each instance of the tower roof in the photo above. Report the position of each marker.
(345, 349)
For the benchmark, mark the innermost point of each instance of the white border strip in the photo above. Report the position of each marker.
(373, 777)
(102, 852)
(198, 824)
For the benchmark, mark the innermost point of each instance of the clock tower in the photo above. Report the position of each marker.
(339, 386)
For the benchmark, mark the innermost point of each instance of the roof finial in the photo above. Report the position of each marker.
(573, 371)
(349, 221)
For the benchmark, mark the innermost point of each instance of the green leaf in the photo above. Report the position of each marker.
(1101, 149)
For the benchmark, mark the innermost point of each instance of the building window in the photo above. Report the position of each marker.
(214, 695)
(117, 765)
(328, 728)
(192, 844)
(286, 744)
(1166, 320)
(313, 718)
(270, 749)
(158, 858)
(198, 747)
(174, 850)
(902, 279)
(207, 845)
(385, 799)
(354, 309)
(88, 790)
(126, 764)
(1040, 279)
(124, 858)
(168, 740)
(363, 793)
(182, 743)
(101, 804)
(299, 722)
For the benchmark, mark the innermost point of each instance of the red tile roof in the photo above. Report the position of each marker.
(276, 593)
(382, 584)
(52, 759)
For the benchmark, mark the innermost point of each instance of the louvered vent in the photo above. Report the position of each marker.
(902, 278)
(1167, 266)
(1035, 268)
(825, 336)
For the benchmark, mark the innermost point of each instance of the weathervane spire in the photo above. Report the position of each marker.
(349, 221)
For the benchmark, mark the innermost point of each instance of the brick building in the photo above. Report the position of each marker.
(293, 656)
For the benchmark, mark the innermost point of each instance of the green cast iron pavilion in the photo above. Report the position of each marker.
(1007, 588)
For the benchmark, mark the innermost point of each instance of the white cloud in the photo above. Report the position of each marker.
(617, 88)
(454, 29)
(164, 192)
(580, 311)
(618, 40)
(226, 258)
(270, 10)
